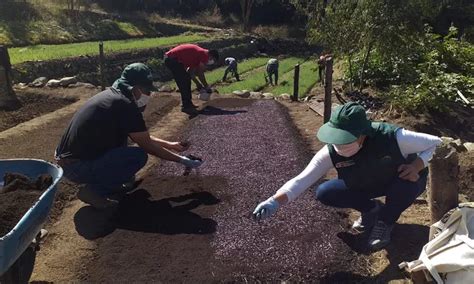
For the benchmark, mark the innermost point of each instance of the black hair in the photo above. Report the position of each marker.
(215, 54)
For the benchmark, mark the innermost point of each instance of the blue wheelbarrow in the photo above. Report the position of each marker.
(16, 245)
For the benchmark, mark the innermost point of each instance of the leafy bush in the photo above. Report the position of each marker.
(429, 77)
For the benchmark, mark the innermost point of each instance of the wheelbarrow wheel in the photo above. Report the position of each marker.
(21, 270)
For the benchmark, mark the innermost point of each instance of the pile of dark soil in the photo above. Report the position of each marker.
(33, 105)
(17, 195)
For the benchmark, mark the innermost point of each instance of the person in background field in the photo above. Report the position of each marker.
(188, 62)
(93, 150)
(372, 160)
(231, 67)
(322, 66)
(272, 70)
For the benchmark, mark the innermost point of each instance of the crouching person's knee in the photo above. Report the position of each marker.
(322, 193)
(328, 192)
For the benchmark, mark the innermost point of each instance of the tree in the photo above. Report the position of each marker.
(362, 27)
(246, 7)
(8, 99)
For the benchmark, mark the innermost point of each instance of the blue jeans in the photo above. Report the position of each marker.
(106, 174)
(399, 195)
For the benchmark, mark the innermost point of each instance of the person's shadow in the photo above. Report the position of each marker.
(211, 110)
(406, 244)
(137, 212)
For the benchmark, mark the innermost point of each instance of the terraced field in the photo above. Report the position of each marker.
(59, 51)
(255, 80)
(308, 78)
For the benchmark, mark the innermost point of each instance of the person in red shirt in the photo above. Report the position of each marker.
(186, 62)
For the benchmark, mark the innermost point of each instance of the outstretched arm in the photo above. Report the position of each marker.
(155, 148)
(317, 168)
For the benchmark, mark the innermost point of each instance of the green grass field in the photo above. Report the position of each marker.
(214, 76)
(308, 78)
(48, 52)
(255, 80)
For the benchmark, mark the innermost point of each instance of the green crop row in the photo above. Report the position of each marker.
(308, 78)
(215, 76)
(255, 80)
(59, 51)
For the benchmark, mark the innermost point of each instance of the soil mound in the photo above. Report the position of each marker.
(17, 195)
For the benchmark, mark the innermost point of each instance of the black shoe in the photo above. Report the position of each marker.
(189, 110)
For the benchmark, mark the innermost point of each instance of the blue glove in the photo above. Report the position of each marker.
(190, 163)
(266, 209)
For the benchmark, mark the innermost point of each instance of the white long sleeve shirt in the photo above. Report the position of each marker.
(409, 142)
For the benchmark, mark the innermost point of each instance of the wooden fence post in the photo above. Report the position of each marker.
(444, 187)
(101, 65)
(296, 83)
(8, 99)
(328, 89)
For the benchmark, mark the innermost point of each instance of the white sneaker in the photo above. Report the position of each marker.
(380, 236)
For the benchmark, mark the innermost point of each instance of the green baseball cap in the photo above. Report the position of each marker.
(346, 124)
(138, 74)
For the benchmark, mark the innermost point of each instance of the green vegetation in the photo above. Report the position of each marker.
(255, 80)
(48, 52)
(215, 76)
(388, 45)
(308, 78)
(245, 66)
(445, 66)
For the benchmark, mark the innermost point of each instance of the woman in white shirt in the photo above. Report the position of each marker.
(372, 160)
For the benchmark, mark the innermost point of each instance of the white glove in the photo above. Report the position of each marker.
(266, 209)
(190, 163)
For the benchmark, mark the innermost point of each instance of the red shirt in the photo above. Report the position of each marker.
(190, 55)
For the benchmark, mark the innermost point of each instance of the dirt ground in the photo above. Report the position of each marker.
(176, 223)
(198, 226)
(33, 105)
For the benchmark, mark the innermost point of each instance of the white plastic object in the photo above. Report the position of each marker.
(204, 95)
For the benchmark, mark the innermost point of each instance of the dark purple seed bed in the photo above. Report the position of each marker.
(256, 148)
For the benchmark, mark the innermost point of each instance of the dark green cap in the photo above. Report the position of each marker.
(138, 74)
(346, 124)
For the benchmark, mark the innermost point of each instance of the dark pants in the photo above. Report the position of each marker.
(183, 80)
(322, 73)
(399, 195)
(233, 69)
(106, 174)
(272, 70)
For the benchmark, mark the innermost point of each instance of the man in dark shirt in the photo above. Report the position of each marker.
(93, 149)
(186, 62)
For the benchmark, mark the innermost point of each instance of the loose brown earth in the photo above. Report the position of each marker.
(17, 195)
(33, 105)
(71, 252)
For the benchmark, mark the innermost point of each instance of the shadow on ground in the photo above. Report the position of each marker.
(410, 237)
(210, 110)
(137, 212)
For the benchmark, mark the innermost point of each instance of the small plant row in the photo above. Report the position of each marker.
(59, 51)
(255, 80)
(308, 78)
(215, 76)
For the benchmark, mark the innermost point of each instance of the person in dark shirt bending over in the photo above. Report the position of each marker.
(93, 150)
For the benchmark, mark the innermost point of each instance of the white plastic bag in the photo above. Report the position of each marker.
(449, 255)
(204, 95)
